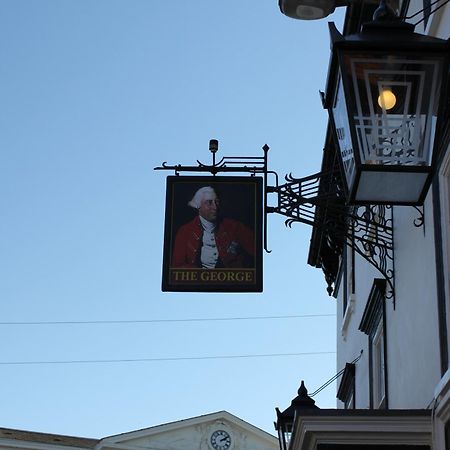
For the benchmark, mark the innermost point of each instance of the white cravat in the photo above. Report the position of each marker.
(209, 253)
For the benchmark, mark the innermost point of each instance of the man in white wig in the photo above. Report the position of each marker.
(210, 241)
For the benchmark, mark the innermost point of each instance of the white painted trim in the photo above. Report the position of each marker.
(441, 410)
(348, 315)
(378, 366)
(406, 429)
(444, 178)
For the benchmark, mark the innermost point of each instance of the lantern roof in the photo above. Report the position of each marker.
(386, 35)
(378, 35)
(300, 403)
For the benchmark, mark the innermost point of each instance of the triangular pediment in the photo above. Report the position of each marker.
(217, 431)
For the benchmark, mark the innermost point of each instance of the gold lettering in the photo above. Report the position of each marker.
(221, 276)
(204, 276)
(185, 275)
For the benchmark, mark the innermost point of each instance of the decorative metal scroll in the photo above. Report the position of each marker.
(247, 164)
(420, 221)
(373, 239)
(318, 201)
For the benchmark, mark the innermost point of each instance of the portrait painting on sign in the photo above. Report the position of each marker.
(213, 234)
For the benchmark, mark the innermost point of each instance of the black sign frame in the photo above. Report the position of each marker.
(241, 200)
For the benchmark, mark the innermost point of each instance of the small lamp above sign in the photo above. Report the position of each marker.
(385, 95)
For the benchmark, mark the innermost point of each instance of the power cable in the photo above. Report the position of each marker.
(335, 377)
(212, 319)
(187, 358)
(430, 12)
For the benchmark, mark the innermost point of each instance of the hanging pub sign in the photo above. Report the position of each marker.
(213, 234)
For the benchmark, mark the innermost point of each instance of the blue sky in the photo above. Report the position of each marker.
(94, 95)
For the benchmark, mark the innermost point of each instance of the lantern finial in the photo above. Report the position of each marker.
(384, 13)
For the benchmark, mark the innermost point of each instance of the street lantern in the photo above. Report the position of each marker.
(385, 94)
(300, 405)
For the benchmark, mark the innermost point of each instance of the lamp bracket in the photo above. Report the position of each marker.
(317, 200)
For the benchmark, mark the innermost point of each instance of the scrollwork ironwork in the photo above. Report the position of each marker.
(318, 201)
(420, 221)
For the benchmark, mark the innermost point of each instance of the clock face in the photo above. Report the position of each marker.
(220, 440)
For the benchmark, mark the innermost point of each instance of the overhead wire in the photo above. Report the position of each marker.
(335, 377)
(430, 12)
(136, 360)
(143, 321)
(210, 319)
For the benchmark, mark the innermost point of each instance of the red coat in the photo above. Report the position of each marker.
(235, 243)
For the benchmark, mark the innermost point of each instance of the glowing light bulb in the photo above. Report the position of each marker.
(387, 99)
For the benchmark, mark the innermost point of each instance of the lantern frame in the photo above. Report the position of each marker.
(387, 157)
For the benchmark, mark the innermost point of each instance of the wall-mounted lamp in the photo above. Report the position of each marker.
(310, 9)
(385, 94)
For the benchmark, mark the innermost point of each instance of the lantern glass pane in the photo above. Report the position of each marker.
(395, 105)
(395, 187)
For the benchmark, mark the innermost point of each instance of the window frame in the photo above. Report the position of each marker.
(378, 366)
(444, 194)
(373, 324)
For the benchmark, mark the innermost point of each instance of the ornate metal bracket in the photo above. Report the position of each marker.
(247, 164)
(318, 201)
(228, 164)
(420, 221)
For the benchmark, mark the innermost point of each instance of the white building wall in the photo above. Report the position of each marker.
(350, 341)
(440, 26)
(412, 335)
(413, 356)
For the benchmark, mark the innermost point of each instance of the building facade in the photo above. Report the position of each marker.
(393, 302)
(217, 431)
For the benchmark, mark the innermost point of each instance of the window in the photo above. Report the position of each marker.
(345, 258)
(445, 221)
(373, 324)
(378, 366)
(441, 208)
